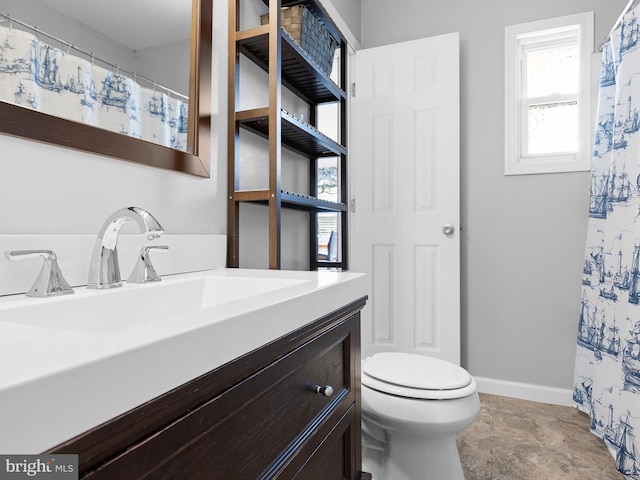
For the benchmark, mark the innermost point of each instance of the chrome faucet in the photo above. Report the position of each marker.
(104, 269)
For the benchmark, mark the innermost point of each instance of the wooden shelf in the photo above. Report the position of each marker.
(310, 204)
(294, 201)
(297, 135)
(299, 72)
(274, 50)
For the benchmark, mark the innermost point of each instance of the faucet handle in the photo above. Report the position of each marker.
(143, 272)
(50, 281)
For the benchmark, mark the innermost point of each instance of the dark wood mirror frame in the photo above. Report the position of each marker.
(34, 125)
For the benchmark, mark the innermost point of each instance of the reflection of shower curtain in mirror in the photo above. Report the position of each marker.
(607, 370)
(38, 76)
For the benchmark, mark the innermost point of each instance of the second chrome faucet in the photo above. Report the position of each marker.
(104, 268)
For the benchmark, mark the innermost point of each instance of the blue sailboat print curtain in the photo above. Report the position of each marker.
(607, 367)
(36, 75)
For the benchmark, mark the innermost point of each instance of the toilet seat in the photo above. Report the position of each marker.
(416, 376)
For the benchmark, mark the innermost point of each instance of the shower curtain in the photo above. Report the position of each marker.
(36, 75)
(607, 368)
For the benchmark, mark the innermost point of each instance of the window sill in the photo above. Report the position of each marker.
(550, 164)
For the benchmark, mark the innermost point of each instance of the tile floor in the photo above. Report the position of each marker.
(520, 440)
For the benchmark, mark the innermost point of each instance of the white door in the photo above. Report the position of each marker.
(405, 181)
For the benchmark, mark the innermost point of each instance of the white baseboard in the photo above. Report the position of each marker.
(526, 391)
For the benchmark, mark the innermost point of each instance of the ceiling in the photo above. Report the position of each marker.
(138, 24)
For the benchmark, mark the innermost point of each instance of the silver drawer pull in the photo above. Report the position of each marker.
(326, 391)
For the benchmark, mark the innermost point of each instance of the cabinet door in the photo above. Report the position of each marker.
(261, 427)
(335, 458)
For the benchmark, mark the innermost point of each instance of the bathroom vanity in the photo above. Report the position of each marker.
(259, 416)
(263, 384)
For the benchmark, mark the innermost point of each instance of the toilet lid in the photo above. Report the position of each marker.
(394, 373)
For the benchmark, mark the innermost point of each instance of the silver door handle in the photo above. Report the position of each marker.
(448, 229)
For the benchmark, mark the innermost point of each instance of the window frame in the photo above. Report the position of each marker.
(549, 32)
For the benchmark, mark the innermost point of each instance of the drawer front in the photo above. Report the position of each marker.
(335, 457)
(268, 416)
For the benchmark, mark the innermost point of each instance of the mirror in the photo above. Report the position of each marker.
(35, 125)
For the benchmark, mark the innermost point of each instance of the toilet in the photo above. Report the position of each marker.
(412, 408)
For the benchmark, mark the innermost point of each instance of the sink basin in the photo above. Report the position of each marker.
(129, 306)
(94, 355)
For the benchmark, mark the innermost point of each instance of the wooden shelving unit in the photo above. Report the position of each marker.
(287, 64)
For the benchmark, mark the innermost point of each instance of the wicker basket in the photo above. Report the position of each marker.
(309, 32)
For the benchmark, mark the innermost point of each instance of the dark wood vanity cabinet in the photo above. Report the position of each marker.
(261, 416)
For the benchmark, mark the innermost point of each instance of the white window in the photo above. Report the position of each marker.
(548, 95)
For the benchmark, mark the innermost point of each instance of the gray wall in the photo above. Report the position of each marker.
(523, 237)
(350, 11)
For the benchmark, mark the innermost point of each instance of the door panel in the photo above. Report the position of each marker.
(405, 178)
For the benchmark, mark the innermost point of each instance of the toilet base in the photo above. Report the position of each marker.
(414, 437)
(415, 458)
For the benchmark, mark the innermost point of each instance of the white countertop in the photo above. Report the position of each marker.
(60, 375)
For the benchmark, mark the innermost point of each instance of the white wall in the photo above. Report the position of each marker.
(52, 190)
(523, 237)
